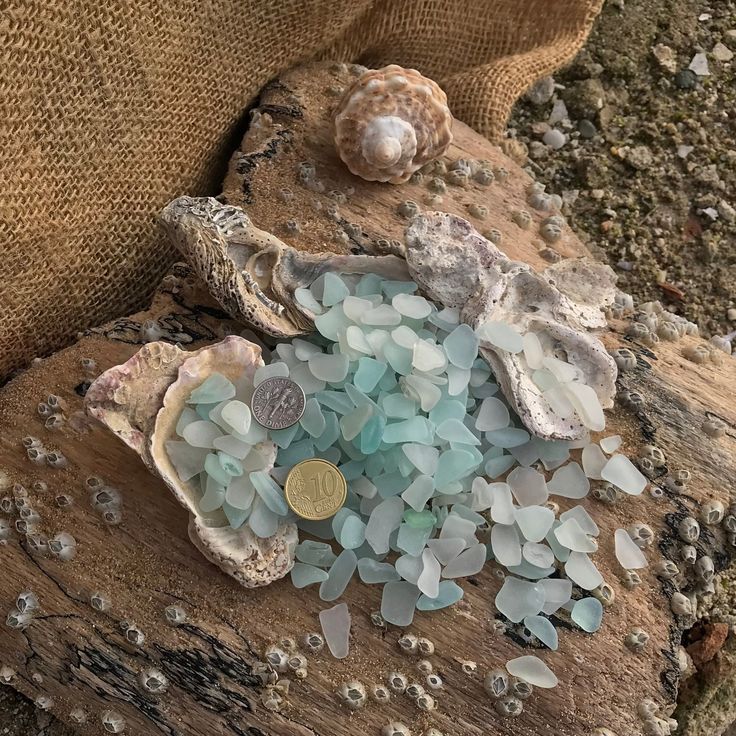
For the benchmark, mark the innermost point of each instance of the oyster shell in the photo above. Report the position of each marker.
(250, 272)
(141, 401)
(453, 265)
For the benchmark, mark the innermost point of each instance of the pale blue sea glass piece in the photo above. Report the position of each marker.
(212, 390)
(398, 602)
(587, 613)
(303, 575)
(461, 346)
(369, 373)
(543, 629)
(339, 576)
(269, 492)
(449, 593)
(313, 420)
(371, 571)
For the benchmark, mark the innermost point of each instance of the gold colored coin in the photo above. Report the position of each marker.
(315, 489)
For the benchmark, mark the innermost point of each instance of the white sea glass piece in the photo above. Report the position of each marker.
(398, 602)
(628, 554)
(620, 471)
(531, 669)
(410, 568)
(493, 414)
(528, 486)
(419, 492)
(414, 307)
(201, 434)
(609, 445)
(581, 570)
(446, 550)
(593, 461)
(569, 481)
(467, 563)
(429, 581)
(455, 527)
(583, 518)
(557, 592)
(571, 535)
(519, 598)
(384, 519)
(428, 357)
(502, 509)
(587, 405)
(534, 522)
(422, 457)
(506, 545)
(335, 624)
(539, 555)
(500, 334)
(533, 353)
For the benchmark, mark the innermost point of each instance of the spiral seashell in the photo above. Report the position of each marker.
(390, 123)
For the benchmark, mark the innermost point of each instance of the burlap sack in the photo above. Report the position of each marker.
(109, 109)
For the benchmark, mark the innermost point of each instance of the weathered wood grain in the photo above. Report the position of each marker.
(80, 657)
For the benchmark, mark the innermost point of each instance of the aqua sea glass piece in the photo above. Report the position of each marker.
(352, 423)
(392, 288)
(331, 432)
(315, 553)
(424, 519)
(412, 540)
(303, 575)
(543, 629)
(188, 415)
(461, 346)
(372, 434)
(284, 437)
(448, 594)
(296, 452)
(339, 576)
(235, 517)
(508, 437)
(269, 492)
(384, 315)
(212, 390)
(187, 460)
(519, 598)
(331, 322)
(201, 433)
(307, 300)
(398, 602)
(336, 401)
(371, 571)
(416, 429)
(587, 613)
(214, 469)
(313, 420)
(390, 484)
(404, 336)
(447, 409)
(398, 357)
(352, 532)
(368, 285)
(334, 290)
(453, 430)
(384, 519)
(369, 373)
(329, 368)
(240, 492)
(231, 465)
(213, 497)
(399, 406)
(451, 466)
(263, 521)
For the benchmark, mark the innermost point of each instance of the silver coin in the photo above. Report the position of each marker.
(277, 403)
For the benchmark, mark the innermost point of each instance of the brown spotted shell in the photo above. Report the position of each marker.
(390, 123)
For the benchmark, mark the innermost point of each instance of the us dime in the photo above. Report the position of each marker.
(315, 489)
(277, 403)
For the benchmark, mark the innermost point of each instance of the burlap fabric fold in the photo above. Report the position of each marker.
(110, 109)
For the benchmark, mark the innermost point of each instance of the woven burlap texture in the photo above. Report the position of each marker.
(110, 109)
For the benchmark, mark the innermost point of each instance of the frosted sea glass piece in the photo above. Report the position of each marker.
(384, 315)
(313, 420)
(455, 527)
(413, 307)
(539, 555)
(354, 307)
(502, 508)
(231, 465)
(531, 669)
(235, 517)
(559, 402)
(419, 492)
(620, 471)
(528, 486)
(352, 424)
(390, 484)
(533, 352)
(453, 430)
(508, 437)
(369, 373)
(569, 481)
(501, 335)
(557, 592)
(187, 460)
(446, 550)
(399, 406)
(214, 469)
(399, 358)
(406, 337)
(232, 446)
(593, 461)
(571, 535)
(581, 570)
(363, 487)
(412, 540)
(331, 322)
(188, 415)
(304, 349)
(493, 414)
(467, 563)
(587, 405)
(497, 466)
(398, 602)
(201, 433)
(213, 497)
(306, 299)
(369, 285)
(270, 492)
(525, 569)
(423, 457)
(410, 567)
(628, 554)
(262, 520)
(609, 445)
(392, 288)
(335, 624)
(422, 390)
(519, 598)
(453, 465)
(240, 492)
(534, 522)
(544, 630)
(384, 519)
(306, 379)
(481, 498)
(416, 429)
(506, 545)
(352, 533)
(583, 518)
(357, 340)
(341, 571)
(563, 371)
(334, 290)
(457, 379)
(371, 571)
(561, 553)
(212, 390)
(336, 401)
(315, 553)
(330, 434)
(428, 357)
(587, 613)
(303, 575)
(429, 580)
(449, 593)
(329, 368)
(461, 346)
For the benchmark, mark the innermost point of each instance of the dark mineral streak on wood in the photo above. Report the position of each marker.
(148, 563)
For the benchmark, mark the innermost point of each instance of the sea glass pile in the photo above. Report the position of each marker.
(400, 400)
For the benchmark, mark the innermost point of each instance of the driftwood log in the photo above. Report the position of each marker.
(82, 664)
